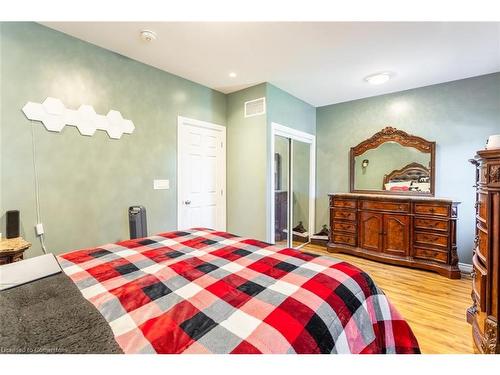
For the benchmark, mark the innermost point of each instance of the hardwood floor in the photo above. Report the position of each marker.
(433, 305)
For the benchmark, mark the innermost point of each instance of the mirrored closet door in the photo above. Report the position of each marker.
(293, 188)
(281, 189)
(300, 193)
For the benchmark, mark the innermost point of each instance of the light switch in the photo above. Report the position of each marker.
(161, 184)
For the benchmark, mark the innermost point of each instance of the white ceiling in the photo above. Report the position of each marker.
(319, 62)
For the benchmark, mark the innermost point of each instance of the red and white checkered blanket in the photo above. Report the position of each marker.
(203, 291)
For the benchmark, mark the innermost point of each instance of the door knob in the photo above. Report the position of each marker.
(187, 203)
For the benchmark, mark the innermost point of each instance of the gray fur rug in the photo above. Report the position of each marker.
(51, 316)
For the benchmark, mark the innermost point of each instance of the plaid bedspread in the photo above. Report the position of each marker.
(203, 291)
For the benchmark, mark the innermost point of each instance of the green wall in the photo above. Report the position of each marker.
(249, 166)
(246, 166)
(458, 115)
(87, 183)
(287, 110)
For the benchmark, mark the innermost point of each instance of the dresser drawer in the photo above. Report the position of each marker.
(385, 206)
(482, 207)
(346, 239)
(433, 224)
(341, 203)
(431, 239)
(431, 209)
(482, 244)
(483, 172)
(339, 226)
(479, 283)
(341, 214)
(430, 254)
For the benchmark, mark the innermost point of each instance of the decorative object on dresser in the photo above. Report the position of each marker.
(417, 232)
(483, 315)
(12, 249)
(399, 163)
(493, 142)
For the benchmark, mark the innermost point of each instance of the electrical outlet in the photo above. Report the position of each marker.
(39, 229)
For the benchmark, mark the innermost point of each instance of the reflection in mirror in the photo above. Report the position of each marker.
(281, 162)
(300, 188)
(393, 162)
(393, 167)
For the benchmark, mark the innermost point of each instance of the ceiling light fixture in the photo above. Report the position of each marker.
(232, 75)
(148, 35)
(379, 78)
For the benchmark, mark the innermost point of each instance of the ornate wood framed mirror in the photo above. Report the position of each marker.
(393, 162)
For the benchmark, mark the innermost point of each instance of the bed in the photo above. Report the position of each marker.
(202, 291)
(412, 177)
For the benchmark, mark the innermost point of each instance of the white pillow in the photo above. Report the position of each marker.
(424, 187)
(389, 185)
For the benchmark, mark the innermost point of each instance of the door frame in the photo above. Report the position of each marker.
(297, 135)
(181, 121)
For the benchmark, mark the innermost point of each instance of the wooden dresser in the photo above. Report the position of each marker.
(484, 312)
(412, 231)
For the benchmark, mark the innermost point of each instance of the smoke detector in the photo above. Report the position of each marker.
(148, 35)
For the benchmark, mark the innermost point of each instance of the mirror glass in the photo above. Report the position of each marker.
(392, 167)
(300, 188)
(281, 187)
(291, 192)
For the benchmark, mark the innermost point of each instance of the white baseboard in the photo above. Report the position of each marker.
(465, 268)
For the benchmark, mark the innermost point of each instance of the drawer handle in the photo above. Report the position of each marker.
(477, 204)
(476, 241)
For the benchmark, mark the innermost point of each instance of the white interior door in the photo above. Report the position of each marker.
(201, 175)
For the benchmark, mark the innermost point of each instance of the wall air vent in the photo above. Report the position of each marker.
(255, 107)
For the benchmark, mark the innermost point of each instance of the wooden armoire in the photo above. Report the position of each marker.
(484, 312)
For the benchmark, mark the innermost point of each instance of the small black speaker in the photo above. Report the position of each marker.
(137, 222)
(12, 224)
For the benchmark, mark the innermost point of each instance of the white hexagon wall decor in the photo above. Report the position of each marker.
(34, 111)
(86, 120)
(128, 126)
(53, 106)
(53, 123)
(115, 121)
(55, 116)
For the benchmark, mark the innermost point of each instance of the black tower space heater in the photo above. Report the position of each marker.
(137, 222)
